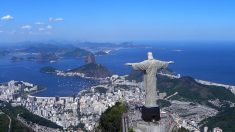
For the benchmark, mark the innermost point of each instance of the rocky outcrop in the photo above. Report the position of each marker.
(93, 70)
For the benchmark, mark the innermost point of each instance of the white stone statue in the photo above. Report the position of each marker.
(150, 68)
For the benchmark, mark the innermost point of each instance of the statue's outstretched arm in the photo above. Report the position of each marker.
(138, 66)
(164, 64)
(170, 62)
(128, 64)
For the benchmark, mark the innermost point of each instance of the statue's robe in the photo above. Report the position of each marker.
(150, 68)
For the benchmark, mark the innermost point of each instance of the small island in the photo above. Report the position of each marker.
(90, 70)
(48, 69)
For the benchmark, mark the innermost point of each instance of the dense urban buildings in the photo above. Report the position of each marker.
(88, 105)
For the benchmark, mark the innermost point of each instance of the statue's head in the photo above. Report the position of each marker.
(150, 56)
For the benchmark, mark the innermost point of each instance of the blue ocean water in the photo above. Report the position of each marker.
(55, 85)
(212, 62)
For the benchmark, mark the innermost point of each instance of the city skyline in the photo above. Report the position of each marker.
(117, 20)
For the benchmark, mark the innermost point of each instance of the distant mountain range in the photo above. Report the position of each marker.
(44, 52)
(52, 51)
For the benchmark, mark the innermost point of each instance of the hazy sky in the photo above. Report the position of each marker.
(117, 20)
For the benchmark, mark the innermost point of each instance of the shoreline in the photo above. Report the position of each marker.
(209, 83)
(204, 82)
(38, 91)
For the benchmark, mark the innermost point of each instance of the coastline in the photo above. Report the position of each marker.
(84, 102)
(209, 83)
(204, 82)
(38, 91)
(75, 74)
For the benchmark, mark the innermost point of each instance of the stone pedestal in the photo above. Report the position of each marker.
(149, 127)
(150, 114)
(166, 124)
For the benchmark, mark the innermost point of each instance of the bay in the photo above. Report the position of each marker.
(209, 62)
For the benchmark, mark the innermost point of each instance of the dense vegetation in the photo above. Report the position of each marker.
(224, 119)
(110, 120)
(101, 90)
(4, 122)
(16, 126)
(182, 129)
(27, 115)
(93, 70)
(163, 103)
(90, 70)
(30, 117)
(188, 89)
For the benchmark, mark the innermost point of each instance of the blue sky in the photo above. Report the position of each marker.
(117, 20)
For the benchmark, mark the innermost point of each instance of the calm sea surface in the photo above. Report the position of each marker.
(212, 62)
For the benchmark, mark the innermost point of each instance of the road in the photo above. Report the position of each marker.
(9, 125)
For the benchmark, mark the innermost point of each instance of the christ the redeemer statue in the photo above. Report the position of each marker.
(150, 68)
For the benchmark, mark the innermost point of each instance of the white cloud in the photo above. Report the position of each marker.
(45, 28)
(27, 27)
(39, 23)
(49, 27)
(7, 18)
(51, 19)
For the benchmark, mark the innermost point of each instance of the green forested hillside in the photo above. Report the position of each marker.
(12, 112)
(93, 70)
(110, 120)
(188, 89)
(224, 119)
